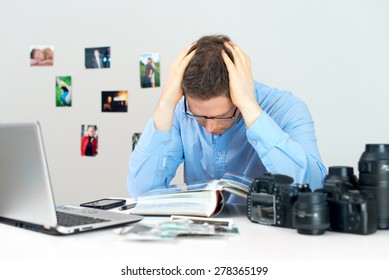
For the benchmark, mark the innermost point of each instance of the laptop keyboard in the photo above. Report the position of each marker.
(69, 220)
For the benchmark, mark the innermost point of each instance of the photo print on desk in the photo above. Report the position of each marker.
(42, 55)
(63, 91)
(114, 101)
(99, 57)
(89, 140)
(149, 70)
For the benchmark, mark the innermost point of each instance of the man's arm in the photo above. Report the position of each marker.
(242, 84)
(287, 146)
(284, 138)
(155, 160)
(172, 92)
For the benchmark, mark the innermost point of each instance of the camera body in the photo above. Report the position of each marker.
(271, 198)
(339, 206)
(351, 210)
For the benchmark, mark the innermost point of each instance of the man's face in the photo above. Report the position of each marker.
(219, 107)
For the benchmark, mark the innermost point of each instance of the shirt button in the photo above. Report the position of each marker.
(219, 154)
(254, 142)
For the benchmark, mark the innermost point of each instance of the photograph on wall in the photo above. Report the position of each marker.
(149, 70)
(135, 139)
(99, 57)
(41, 55)
(114, 101)
(89, 140)
(63, 91)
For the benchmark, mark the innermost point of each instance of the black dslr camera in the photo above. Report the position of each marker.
(270, 199)
(351, 210)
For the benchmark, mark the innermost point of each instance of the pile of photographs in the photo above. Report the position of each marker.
(179, 226)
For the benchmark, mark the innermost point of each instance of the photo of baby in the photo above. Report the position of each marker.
(41, 56)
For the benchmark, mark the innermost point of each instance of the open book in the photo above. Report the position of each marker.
(204, 199)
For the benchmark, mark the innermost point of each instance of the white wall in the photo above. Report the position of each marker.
(333, 54)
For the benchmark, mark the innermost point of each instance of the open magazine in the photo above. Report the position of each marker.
(204, 199)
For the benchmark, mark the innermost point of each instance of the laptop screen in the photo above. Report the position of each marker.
(25, 188)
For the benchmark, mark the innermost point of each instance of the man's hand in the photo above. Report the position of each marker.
(241, 83)
(172, 91)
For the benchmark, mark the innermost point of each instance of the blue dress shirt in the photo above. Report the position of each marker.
(282, 140)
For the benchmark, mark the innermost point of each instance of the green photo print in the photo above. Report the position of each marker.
(63, 91)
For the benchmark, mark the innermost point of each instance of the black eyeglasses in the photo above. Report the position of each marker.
(202, 118)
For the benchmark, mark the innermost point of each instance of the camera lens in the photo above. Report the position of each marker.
(374, 178)
(311, 213)
(342, 173)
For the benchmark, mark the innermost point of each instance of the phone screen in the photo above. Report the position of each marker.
(105, 203)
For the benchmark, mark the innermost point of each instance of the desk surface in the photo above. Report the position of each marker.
(255, 242)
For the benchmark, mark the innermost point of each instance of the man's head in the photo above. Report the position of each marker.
(96, 53)
(206, 76)
(206, 86)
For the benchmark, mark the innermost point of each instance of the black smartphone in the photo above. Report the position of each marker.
(105, 203)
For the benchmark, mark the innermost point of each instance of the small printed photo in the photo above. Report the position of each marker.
(135, 139)
(149, 70)
(99, 57)
(114, 101)
(41, 55)
(63, 91)
(89, 140)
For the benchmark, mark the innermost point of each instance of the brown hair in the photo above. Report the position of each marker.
(206, 75)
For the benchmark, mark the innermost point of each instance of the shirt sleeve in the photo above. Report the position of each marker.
(288, 146)
(154, 161)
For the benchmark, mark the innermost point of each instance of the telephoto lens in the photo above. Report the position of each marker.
(374, 178)
(311, 213)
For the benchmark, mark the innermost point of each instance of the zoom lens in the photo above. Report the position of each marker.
(374, 178)
(311, 213)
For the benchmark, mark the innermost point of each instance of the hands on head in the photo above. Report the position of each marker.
(241, 85)
(172, 91)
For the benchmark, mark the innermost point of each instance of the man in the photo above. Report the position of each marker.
(148, 78)
(94, 60)
(213, 117)
(97, 61)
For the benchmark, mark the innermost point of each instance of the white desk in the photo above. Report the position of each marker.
(105, 255)
(255, 242)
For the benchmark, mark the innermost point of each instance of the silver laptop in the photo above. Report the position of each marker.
(26, 197)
